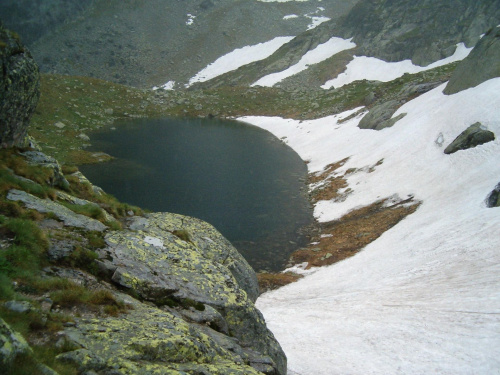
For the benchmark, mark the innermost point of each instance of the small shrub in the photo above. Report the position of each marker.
(82, 258)
(70, 297)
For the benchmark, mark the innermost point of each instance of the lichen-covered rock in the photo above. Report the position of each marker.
(172, 260)
(12, 344)
(149, 340)
(473, 136)
(482, 64)
(63, 213)
(19, 89)
(207, 239)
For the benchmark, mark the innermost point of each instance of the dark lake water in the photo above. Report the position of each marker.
(239, 178)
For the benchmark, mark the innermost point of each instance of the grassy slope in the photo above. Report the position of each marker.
(82, 104)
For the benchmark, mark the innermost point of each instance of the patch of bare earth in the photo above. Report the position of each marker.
(342, 238)
(270, 281)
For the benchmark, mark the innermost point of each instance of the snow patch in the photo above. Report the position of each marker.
(316, 21)
(290, 16)
(371, 68)
(423, 297)
(239, 57)
(190, 19)
(167, 86)
(315, 56)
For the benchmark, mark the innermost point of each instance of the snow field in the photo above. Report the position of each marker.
(371, 68)
(425, 296)
(239, 57)
(315, 56)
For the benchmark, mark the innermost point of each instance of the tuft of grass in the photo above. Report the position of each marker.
(183, 234)
(6, 290)
(83, 259)
(90, 210)
(27, 254)
(27, 233)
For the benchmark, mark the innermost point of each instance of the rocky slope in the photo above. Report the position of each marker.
(480, 65)
(423, 32)
(147, 43)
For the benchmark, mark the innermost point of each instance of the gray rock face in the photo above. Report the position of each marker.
(208, 240)
(154, 341)
(19, 89)
(379, 116)
(65, 214)
(35, 18)
(111, 40)
(423, 31)
(482, 64)
(18, 306)
(172, 260)
(473, 136)
(493, 199)
(45, 161)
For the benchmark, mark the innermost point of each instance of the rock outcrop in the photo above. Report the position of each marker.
(482, 64)
(184, 265)
(19, 89)
(192, 307)
(493, 199)
(423, 31)
(380, 114)
(473, 136)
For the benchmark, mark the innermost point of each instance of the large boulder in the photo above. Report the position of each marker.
(493, 199)
(482, 64)
(19, 89)
(182, 263)
(473, 136)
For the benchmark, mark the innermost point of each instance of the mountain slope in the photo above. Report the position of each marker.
(147, 43)
(422, 32)
(423, 297)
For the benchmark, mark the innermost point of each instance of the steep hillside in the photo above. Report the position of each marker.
(397, 117)
(422, 32)
(147, 43)
(421, 298)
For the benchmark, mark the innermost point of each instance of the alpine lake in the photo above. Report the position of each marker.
(238, 177)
